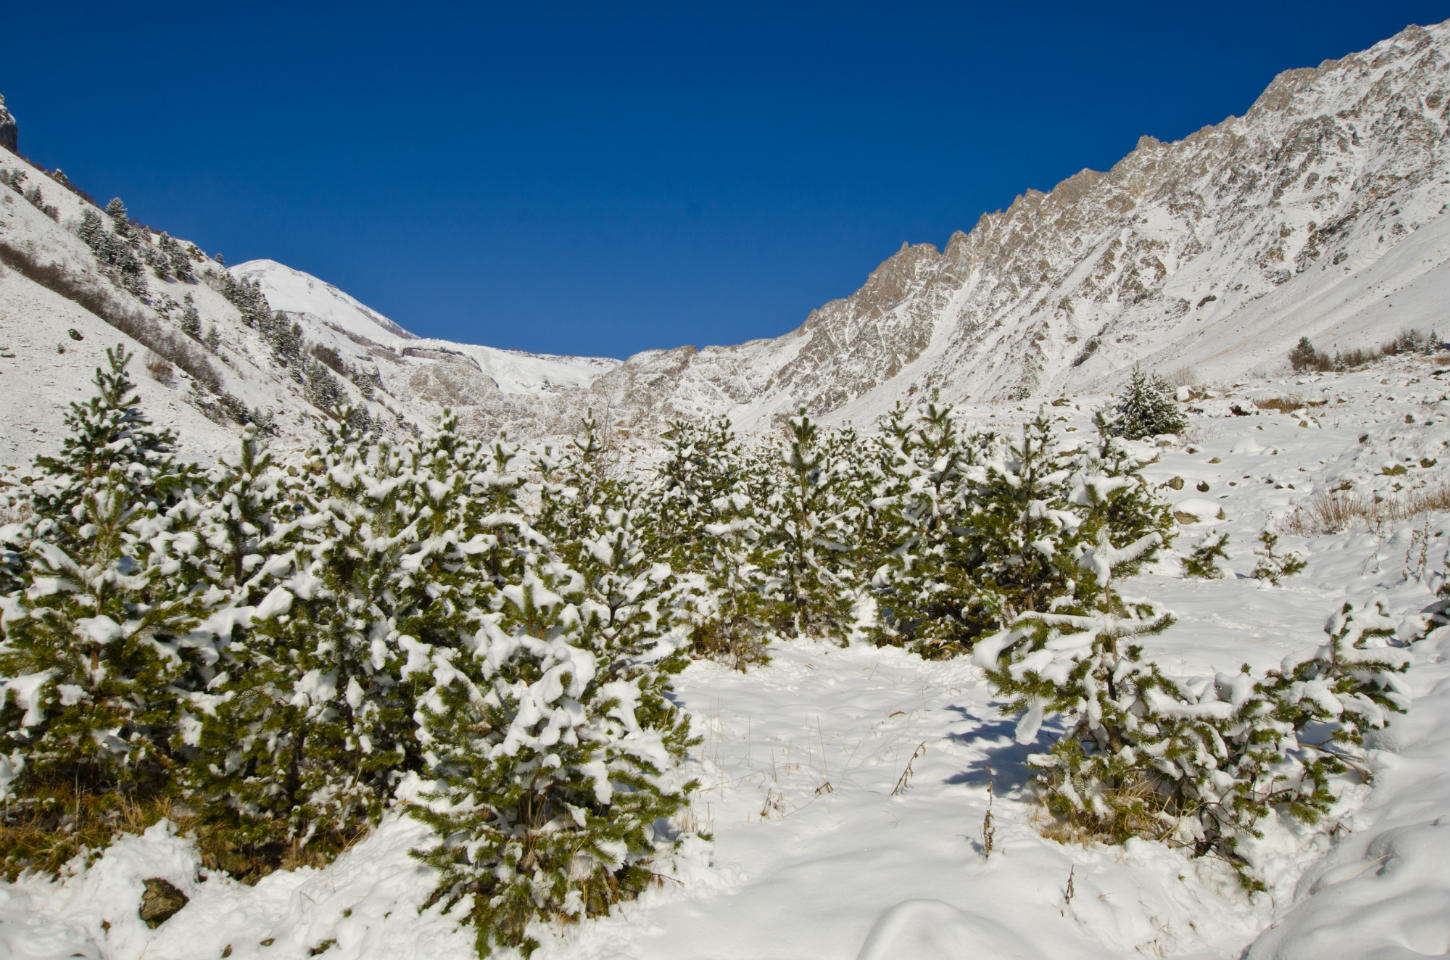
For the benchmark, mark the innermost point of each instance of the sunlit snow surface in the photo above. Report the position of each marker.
(514, 371)
(845, 789)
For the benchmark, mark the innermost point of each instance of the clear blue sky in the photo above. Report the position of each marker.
(600, 180)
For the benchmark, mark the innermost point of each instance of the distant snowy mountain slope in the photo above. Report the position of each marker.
(1320, 212)
(490, 389)
(293, 291)
(61, 308)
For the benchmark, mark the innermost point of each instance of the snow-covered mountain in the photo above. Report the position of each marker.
(293, 291)
(1321, 212)
(316, 303)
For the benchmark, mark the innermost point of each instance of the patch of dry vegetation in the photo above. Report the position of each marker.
(1336, 511)
(113, 309)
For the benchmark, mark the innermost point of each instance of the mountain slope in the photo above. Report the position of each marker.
(1217, 252)
(318, 305)
(1321, 212)
(293, 291)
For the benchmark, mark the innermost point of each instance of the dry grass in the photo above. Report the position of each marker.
(47, 831)
(1184, 376)
(1280, 404)
(1286, 404)
(1134, 810)
(1336, 511)
(250, 862)
(14, 506)
(55, 823)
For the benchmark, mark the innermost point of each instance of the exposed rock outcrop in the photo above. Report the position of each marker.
(9, 129)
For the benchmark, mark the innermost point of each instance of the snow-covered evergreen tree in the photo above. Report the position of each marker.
(1200, 764)
(1021, 528)
(929, 580)
(120, 219)
(811, 538)
(101, 639)
(1203, 560)
(1147, 408)
(106, 431)
(552, 748)
(1078, 658)
(312, 725)
(93, 649)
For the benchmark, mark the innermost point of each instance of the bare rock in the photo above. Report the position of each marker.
(160, 902)
(9, 129)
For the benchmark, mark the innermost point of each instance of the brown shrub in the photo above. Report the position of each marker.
(1281, 404)
(330, 358)
(160, 369)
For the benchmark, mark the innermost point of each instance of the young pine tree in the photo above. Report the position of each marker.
(810, 537)
(102, 640)
(1078, 658)
(1147, 408)
(929, 582)
(553, 751)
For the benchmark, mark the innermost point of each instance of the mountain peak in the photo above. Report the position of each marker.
(295, 291)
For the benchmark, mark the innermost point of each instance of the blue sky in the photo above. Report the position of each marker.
(598, 180)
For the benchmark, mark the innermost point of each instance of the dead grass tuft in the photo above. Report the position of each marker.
(1184, 376)
(45, 832)
(1134, 811)
(160, 369)
(1287, 404)
(1336, 511)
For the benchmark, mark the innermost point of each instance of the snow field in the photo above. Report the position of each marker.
(845, 790)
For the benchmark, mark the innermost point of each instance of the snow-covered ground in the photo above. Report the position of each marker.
(845, 790)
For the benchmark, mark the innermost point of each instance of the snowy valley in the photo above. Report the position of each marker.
(832, 749)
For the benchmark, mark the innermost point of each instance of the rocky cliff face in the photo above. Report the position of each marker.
(1198, 252)
(9, 129)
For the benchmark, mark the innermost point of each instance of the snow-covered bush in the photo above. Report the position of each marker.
(1305, 356)
(1203, 560)
(365, 562)
(985, 529)
(552, 749)
(704, 515)
(808, 531)
(1147, 408)
(929, 579)
(1272, 566)
(1200, 763)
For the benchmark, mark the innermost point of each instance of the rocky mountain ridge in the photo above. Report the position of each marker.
(1321, 212)
(1213, 253)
